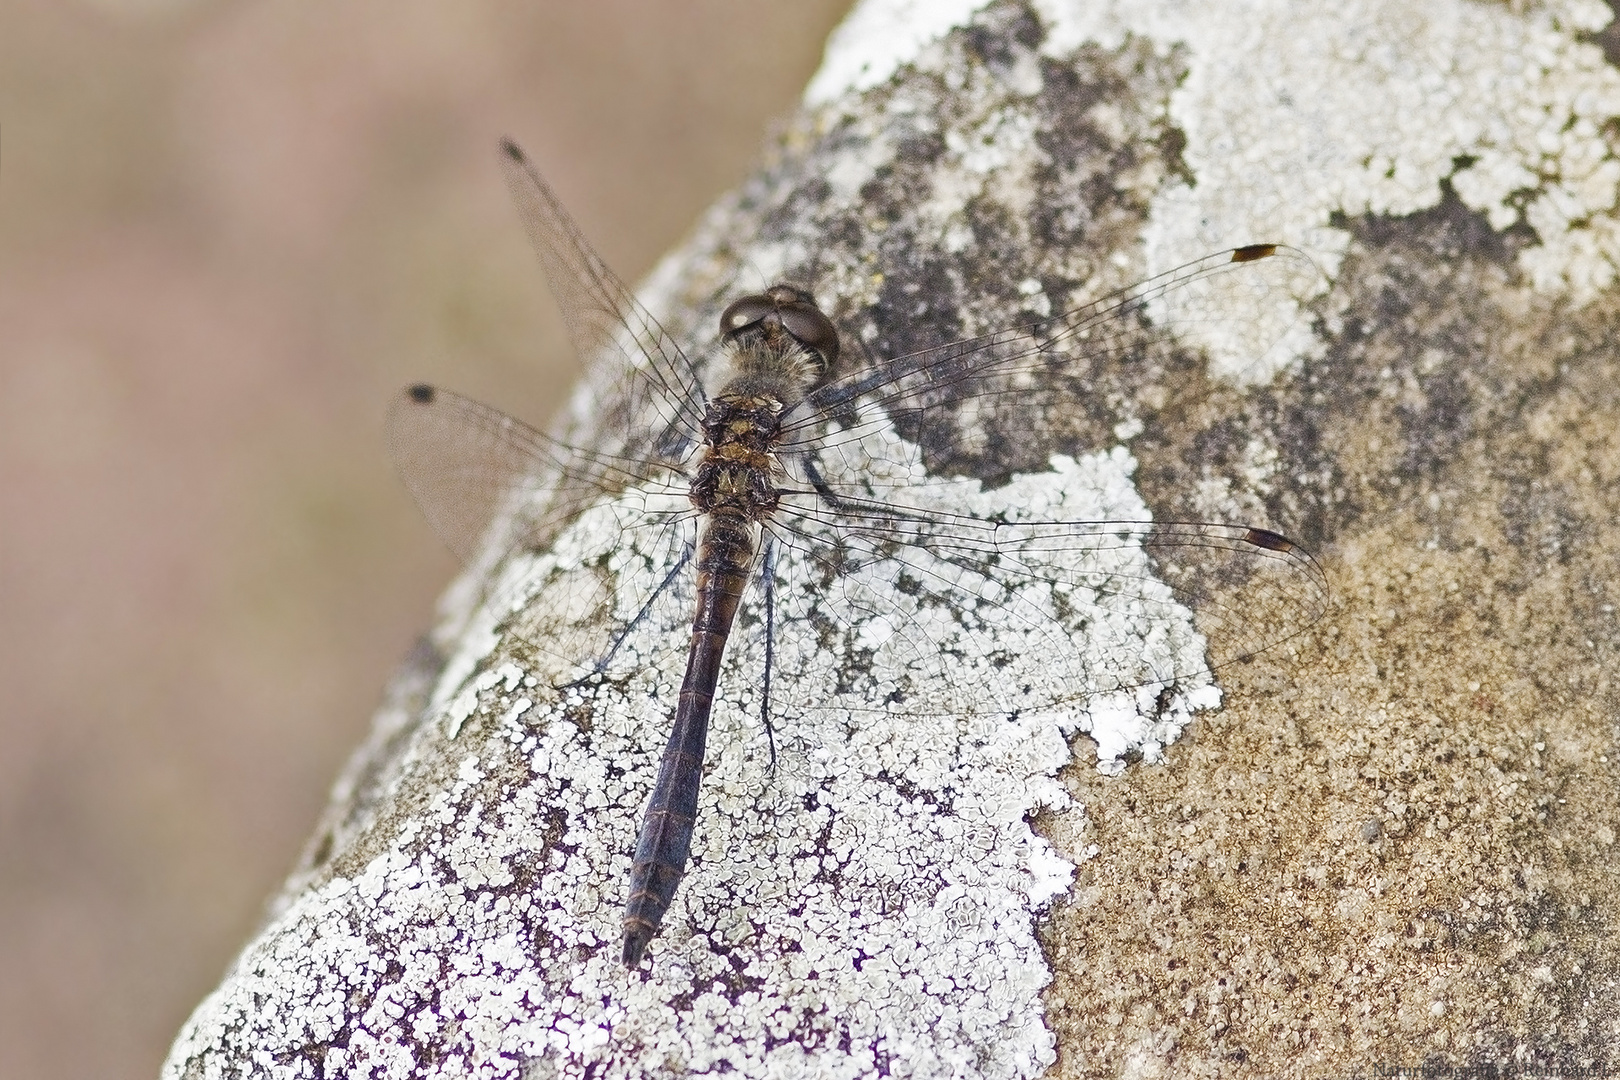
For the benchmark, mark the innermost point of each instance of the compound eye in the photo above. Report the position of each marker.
(744, 313)
(812, 329)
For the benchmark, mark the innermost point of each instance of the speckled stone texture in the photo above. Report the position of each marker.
(1393, 845)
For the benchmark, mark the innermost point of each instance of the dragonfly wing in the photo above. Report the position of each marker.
(645, 386)
(603, 536)
(1237, 306)
(469, 467)
(1061, 609)
(612, 598)
(474, 470)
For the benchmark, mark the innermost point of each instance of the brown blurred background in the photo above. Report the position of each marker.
(228, 234)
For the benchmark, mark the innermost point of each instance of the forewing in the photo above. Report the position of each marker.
(1237, 306)
(644, 385)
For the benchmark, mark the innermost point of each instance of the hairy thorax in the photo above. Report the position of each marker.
(739, 471)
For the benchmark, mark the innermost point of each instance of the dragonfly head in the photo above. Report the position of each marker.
(780, 318)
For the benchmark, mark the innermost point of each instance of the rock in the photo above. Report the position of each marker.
(1392, 844)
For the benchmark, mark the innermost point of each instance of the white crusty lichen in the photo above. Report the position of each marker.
(1291, 117)
(868, 905)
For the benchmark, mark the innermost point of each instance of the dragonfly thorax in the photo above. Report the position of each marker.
(737, 474)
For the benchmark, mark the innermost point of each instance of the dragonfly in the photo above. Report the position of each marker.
(792, 494)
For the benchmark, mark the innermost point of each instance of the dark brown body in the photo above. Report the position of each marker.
(735, 488)
(724, 558)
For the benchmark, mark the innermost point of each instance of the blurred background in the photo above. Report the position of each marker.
(229, 233)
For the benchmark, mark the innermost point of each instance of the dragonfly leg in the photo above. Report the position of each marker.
(819, 482)
(663, 586)
(768, 579)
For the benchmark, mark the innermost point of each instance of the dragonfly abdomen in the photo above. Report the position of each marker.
(665, 843)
